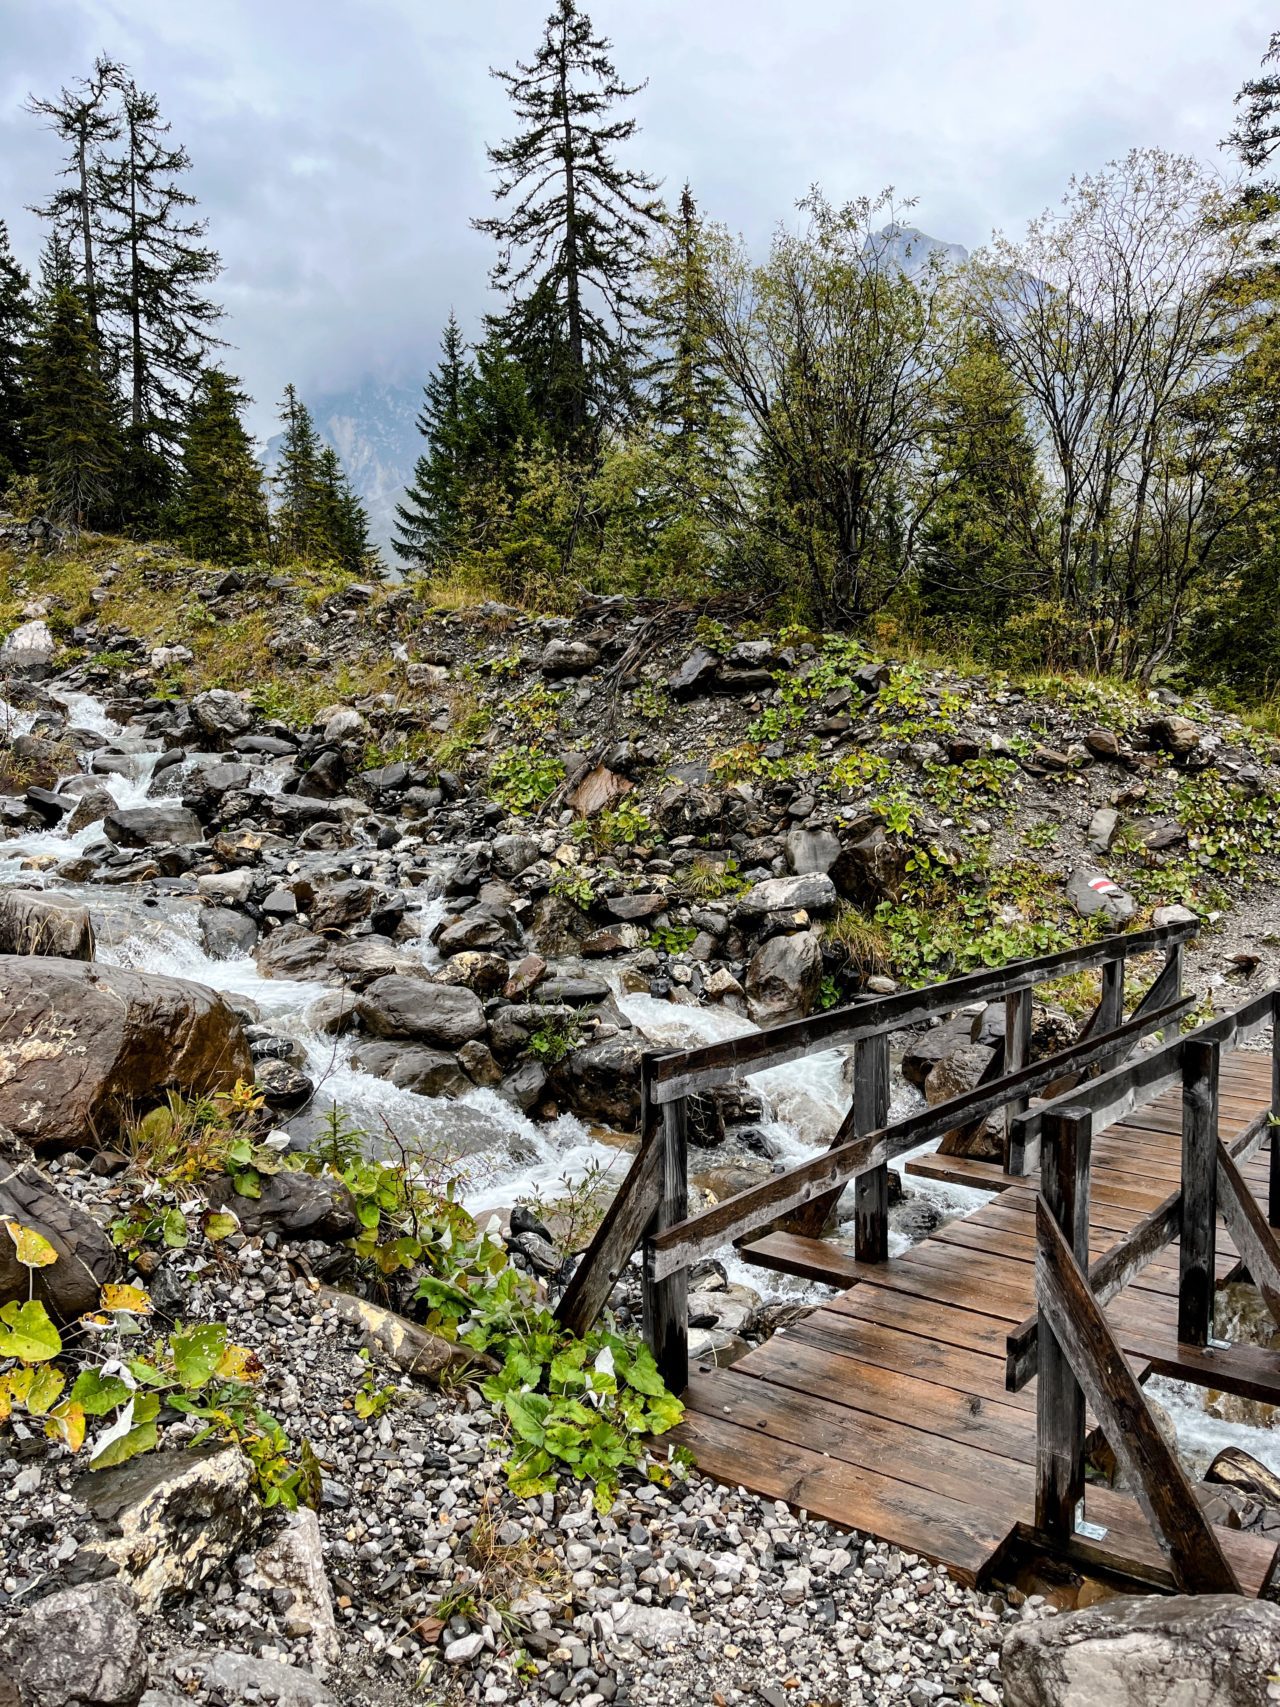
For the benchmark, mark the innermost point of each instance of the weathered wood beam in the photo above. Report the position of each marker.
(666, 1297)
(1197, 1227)
(1076, 1319)
(1063, 1203)
(1248, 1228)
(632, 1209)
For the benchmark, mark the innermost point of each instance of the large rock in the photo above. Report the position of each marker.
(170, 1519)
(80, 1647)
(413, 1067)
(1176, 735)
(92, 805)
(29, 650)
(811, 891)
(152, 826)
(80, 1045)
(683, 810)
(871, 868)
(234, 1678)
(697, 674)
(300, 1205)
(568, 658)
(87, 1259)
(1214, 1650)
(291, 1570)
(602, 1081)
(812, 850)
(784, 978)
(447, 1015)
(1091, 893)
(958, 1071)
(41, 921)
(221, 714)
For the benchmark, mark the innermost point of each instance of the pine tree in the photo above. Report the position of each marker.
(297, 481)
(342, 527)
(220, 510)
(154, 267)
(85, 119)
(16, 316)
(428, 519)
(573, 239)
(74, 439)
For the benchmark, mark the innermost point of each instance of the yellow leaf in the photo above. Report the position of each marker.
(131, 1298)
(14, 1388)
(238, 1363)
(67, 1425)
(33, 1249)
(46, 1386)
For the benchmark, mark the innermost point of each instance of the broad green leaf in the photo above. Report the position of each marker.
(96, 1394)
(247, 1183)
(197, 1353)
(27, 1333)
(134, 1432)
(33, 1249)
(45, 1390)
(664, 1412)
(528, 1415)
(639, 1370)
(173, 1229)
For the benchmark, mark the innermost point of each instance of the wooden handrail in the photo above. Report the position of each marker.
(699, 1235)
(679, 1073)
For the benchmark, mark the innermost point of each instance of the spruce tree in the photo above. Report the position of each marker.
(297, 481)
(428, 520)
(73, 433)
(154, 269)
(16, 316)
(220, 510)
(573, 229)
(342, 527)
(86, 120)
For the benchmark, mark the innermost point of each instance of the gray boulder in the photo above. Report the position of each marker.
(29, 650)
(226, 933)
(152, 826)
(1091, 893)
(696, 675)
(1176, 735)
(1214, 1650)
(602, 1081)
(811, 892)
(93, 802)
(304, 1206)
(568, 658)
(42, 921)
(221, 714)
(783, 978)
(447, 1015)
(80, 1647)
(812, 850)
(414, 1067)
(234, 1678)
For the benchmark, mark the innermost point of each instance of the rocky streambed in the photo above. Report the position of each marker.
(197, 894)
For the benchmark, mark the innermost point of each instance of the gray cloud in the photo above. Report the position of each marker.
(339, 144)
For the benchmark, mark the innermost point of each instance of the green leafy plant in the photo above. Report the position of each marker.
(575, 886)
(556, 1037)
(522, 779)
(672, 939)
(711, 880)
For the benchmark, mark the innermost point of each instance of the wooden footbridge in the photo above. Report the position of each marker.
(945, 1400)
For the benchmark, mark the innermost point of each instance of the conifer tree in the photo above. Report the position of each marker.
(74, 440)
(154, 268)
(16, 316)
(86, 120)
(220, 509)
(297, 480)
(427, 521)
(342, 527)
(573, 228)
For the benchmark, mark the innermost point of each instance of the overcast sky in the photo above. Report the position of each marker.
(339, 144)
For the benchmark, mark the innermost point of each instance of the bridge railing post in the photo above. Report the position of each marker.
(1197, 1240)
(1273, 1177)
(1017, 1054)
(870, 1113)
(1066, 1141)
(666, 1302)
